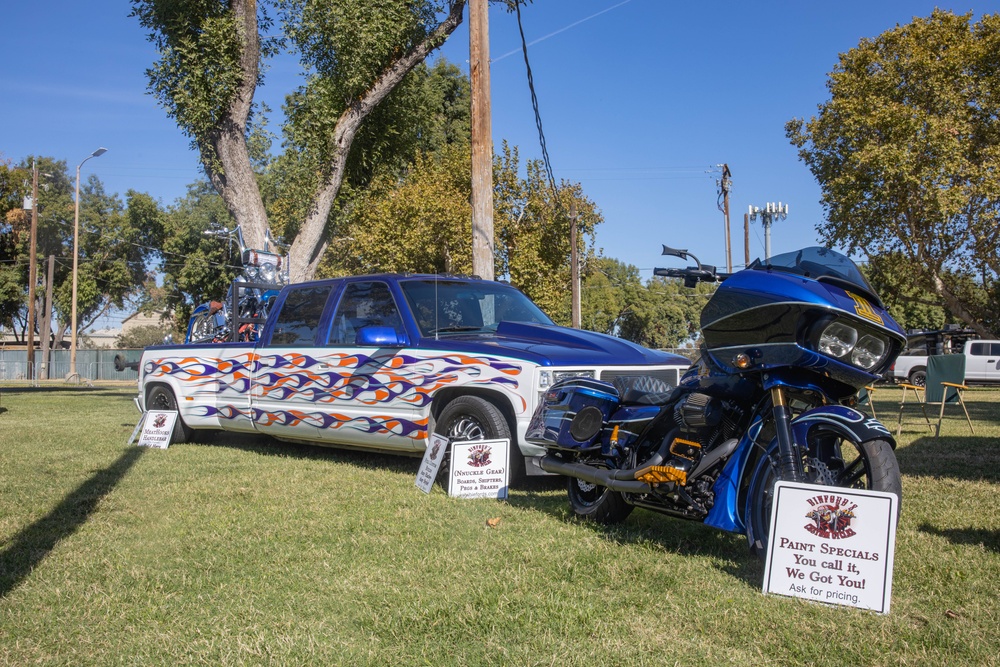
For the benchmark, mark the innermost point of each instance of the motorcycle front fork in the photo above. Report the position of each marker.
(789, 461)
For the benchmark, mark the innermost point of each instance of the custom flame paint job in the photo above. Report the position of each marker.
(374, 359)
(328, 379)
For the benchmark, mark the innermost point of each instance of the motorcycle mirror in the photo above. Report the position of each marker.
(674, 252)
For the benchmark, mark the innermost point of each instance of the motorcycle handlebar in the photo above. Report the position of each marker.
(692, 274)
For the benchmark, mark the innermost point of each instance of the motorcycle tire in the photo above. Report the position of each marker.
(599, 504)
(833, 461)
(468, 418)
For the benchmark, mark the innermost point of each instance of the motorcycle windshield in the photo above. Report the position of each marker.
(822, 264)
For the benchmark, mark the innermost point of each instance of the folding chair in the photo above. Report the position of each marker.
(949, 371)
(945, 384)
(866, 396)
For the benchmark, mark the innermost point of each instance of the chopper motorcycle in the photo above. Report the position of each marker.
(241, 315)
(786, 345)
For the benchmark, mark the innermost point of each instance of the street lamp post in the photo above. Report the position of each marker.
(76, 258)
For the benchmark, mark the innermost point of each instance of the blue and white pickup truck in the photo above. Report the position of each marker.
(380, 362)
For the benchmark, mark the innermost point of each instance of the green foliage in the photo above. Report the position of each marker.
(659, 314)
(906, 154)
(144, 336)
(427, 111)
(421, 223)
(196, 268)
(117, 243)
(892, 275)
(15, 226)
(201, 44)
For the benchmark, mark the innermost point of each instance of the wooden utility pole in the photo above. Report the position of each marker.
(482, 141)
(726, 185)
(29, 336)
(47, 319)
(574, 255)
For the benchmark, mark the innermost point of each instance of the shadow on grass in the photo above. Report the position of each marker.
(964, 458)
(265, 445)
(990, 539)
(672, 536)
(30, 546)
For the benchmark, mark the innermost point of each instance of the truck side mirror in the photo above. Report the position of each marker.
(380, 337)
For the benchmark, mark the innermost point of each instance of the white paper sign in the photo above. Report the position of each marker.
(832, 545)
(157, 428)
(479, 469)
(433, 455)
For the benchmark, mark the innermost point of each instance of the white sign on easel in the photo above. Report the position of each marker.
(832, 545)
(479, 469)
(429, 466)
(155, 429)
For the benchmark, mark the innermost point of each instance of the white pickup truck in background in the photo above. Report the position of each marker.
(982, 357)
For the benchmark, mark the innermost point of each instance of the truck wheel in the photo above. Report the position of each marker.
(472, 418)
(918, 377)
(162, 398)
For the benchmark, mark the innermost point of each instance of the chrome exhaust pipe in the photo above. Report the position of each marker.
(622, 481)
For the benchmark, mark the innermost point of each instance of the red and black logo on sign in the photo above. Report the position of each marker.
(479, 456)
(830, 516)
(159, 421)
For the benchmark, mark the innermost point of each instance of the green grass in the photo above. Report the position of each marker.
(241, 550)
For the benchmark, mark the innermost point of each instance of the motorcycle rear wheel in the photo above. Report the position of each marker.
(599, 504)
(832, 461)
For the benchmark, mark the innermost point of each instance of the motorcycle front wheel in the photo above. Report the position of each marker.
(831, 460)
(599, 504)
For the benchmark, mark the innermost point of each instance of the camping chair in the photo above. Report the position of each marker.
(945, 384)
(867, 397)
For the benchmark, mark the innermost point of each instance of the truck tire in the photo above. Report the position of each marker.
(473, 418)
(918, 376)
(162, 398)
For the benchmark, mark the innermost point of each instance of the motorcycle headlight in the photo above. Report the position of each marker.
(268, 272)
(838, 339)
(251, 272)
(868, 352)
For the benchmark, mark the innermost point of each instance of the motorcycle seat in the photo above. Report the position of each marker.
(642, 390)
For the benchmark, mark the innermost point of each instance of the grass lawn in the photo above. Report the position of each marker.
(241, 550)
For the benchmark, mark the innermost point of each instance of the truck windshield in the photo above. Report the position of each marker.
(456, 306)
(822, 264)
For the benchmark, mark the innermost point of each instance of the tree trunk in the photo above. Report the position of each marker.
(307, 248)
(226, 159)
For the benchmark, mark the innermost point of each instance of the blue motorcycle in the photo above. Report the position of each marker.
(786, 345)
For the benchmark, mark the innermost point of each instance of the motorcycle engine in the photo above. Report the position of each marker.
(706, 420)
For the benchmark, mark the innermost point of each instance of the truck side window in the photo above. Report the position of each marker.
(978, 349)
(364, 304)
(298, 319)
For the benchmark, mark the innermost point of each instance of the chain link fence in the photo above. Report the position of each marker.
(91, 366)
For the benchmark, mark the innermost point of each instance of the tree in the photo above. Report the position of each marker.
(196, 268)
(15, 225)
(144, 336)
(356, 52)
(116, 245)
(422, 223)
(906, 152)
(661, 313)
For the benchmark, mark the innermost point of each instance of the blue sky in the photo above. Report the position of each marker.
(640, 99)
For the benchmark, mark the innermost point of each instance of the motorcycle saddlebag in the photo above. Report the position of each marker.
(572, 414)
